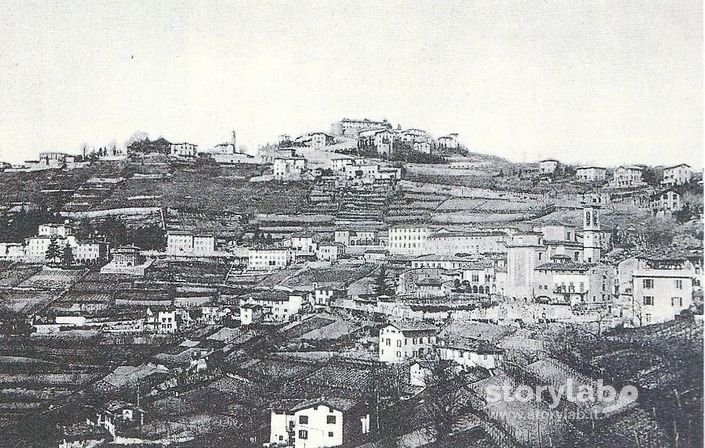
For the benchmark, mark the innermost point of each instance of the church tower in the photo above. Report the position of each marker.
(592, 243)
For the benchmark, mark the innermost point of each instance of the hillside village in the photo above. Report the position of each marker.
(365, 286)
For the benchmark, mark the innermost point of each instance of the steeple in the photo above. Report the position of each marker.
(592, 244)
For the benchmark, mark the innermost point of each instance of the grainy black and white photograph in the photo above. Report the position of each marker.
(356, 224)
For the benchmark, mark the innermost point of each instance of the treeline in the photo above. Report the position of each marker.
(15, 227)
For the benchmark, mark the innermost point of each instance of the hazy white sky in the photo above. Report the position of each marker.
(600, 82)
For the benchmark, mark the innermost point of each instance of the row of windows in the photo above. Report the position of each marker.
(411, 237)
(648, 283)
(675, 301)
(330, 419)
(414, 341)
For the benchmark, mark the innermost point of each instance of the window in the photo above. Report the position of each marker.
(648, 300)
(648, 283)
(399, 343)
(303, 434)
(398, 354)
(330, 433)
(676, 301)
(679, 284)
(330, 419)
(303, 419)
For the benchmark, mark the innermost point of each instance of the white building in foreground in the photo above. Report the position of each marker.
(318, 423)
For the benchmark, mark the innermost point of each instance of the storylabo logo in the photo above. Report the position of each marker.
(584, 394)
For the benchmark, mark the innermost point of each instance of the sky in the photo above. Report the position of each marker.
(593, 82)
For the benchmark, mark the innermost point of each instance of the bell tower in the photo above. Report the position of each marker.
(592, 244)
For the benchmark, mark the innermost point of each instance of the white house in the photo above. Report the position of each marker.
(266, 259)
(305, 243)
(627, 176)
(320, 140)
(183, 149)
(422, 146)
(662, 287)
(408, 239)
(449, 141)
(319, 423)
(419, 372)
(277, 305)
(406, 340)
(591, 174)
(548, 166)
(469, 353)
(330, 251)
(664, 203)
(677, 175)
(339, 163)
(58, 230)
(289, 168)
(190, 244)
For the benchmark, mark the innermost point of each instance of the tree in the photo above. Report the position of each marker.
(137, 137)
(445, 388)
(382, 285)
(53, 251)
(149, 238)
(67, 255)
(113, 230)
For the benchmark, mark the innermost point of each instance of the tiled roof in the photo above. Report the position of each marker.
(565, 266)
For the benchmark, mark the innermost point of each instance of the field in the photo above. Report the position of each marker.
(223, 193)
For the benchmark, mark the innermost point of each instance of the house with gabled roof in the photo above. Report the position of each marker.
(320, 422)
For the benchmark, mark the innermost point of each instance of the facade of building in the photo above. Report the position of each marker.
(330, 251)
(384, 142)
(662, 288)
(289, 168)
(320, 140)
(548, 166)
(525, 251)
(269, 258)
(190, 244)
(588, 174)
(469, 353)
(422, 146)
(449, 141)
(402, 341)
(665, 203)
(627, 176)
(352, 127)
(356, 237)
(319, 423)
(276, 305)
(90, 252)
(339, 163)
(408, 239)
(57, 230)
(183, 149)
(304, 243)
(677, 175)
(127, 256)
(445, 242)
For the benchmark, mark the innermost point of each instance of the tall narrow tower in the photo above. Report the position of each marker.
(234, 142)
(592, 243)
